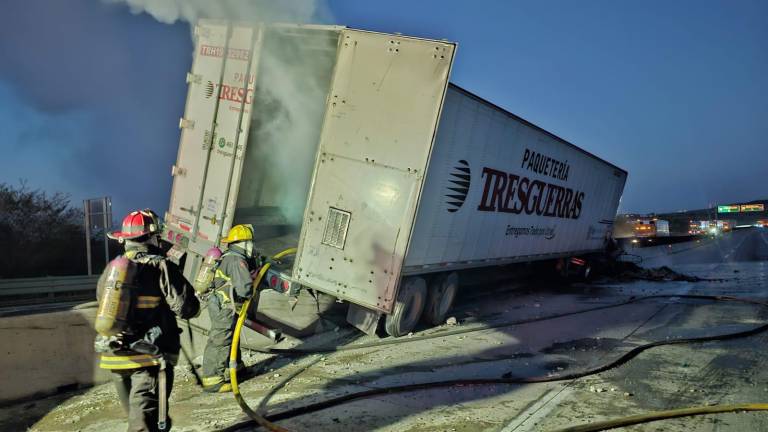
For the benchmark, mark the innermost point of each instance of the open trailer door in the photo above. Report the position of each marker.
(214, 132)
(382, 113)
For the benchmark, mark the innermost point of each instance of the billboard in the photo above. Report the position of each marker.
(752, 207)
(738, 208)
(728, 209)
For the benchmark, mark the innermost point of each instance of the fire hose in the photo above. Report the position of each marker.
(663, 415)
(236, 344)
(267, 421)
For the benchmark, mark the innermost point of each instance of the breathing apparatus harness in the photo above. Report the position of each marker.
(116, 310)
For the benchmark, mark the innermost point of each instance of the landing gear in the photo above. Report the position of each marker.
(408, 307)
(442, 291)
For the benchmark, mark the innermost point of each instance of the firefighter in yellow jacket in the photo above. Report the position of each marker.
(140, 295)
(232, 285)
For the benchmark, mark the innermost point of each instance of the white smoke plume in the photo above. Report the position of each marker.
(282, 144)
(170, 11)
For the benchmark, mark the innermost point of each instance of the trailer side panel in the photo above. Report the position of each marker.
(499, 190)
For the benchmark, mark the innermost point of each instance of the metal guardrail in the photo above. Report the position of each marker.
(47, 289)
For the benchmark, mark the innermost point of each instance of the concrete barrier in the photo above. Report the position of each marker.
(47, 289)
(47, 353)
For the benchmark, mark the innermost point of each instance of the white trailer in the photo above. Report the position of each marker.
(353, 146)
(662, 228)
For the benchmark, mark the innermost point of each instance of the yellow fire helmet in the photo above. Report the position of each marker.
(239, 233)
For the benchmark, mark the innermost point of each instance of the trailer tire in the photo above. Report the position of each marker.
(408, 307)
(442, 291)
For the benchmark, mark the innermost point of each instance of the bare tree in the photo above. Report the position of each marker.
(40, 234)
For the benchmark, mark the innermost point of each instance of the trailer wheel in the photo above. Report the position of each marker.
(408, 307)
(442, 291)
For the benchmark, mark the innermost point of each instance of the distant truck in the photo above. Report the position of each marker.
(651, 227)
(712, 227)
(723, 225)
(354, 147)
(695, 228)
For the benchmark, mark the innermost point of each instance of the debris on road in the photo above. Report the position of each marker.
(623, 271)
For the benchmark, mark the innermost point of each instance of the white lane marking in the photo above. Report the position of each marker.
(736, 248)
(762, 237)
(528, 419)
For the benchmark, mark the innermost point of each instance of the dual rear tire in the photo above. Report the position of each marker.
(442, 291)
(419, 300)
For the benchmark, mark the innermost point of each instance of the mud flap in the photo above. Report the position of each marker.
(366, 320)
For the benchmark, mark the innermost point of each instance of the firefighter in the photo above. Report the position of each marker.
(142, 347)
(233, 284)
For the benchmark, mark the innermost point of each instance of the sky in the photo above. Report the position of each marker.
(676, 93)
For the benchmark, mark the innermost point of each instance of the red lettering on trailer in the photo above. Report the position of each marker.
(510, 193)
(224, 94)
(511, 188)
(211, 51)
(232, 53)
(241, 77)
(238, 54)
(235, 94)
(497, 176)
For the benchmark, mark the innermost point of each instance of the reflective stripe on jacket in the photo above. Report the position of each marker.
(158, 296)
(148, 302)
(131, 361)
(233, 276)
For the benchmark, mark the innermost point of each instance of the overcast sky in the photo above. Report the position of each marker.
(674, 92)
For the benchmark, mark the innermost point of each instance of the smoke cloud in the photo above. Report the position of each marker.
(289, 100)
(289, 104)
(170, 11)
(90, 98)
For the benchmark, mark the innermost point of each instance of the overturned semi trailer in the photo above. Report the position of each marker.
(354, 147)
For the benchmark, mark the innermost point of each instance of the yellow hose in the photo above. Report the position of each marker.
(236, 344)
(663, 415)
(288, 251)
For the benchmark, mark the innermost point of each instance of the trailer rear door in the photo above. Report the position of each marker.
(214, 131)
(381, 117)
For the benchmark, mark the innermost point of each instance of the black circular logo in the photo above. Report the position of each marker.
(458, 186)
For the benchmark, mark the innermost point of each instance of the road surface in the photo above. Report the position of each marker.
(662, 378)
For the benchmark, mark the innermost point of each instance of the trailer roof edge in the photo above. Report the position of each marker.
(539, 128)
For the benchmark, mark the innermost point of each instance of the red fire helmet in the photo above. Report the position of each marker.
(137, 224)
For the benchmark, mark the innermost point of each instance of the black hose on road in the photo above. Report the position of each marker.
(508, 380)
(419, 338)
(458, 331)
